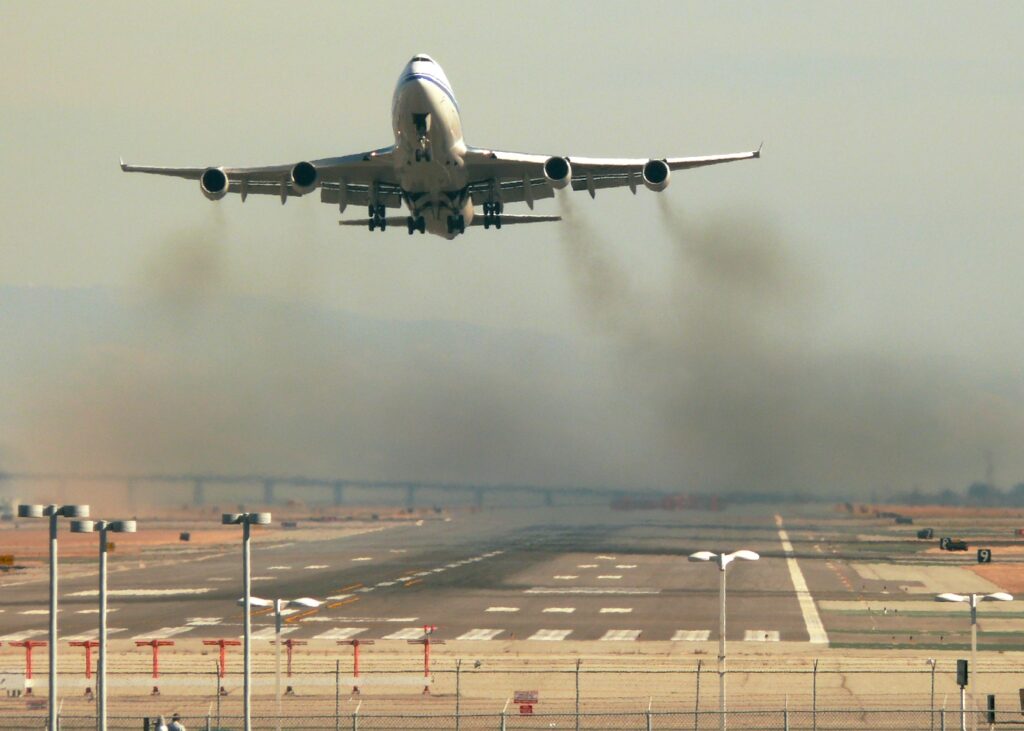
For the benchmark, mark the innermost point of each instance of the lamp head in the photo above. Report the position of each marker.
(999, 596)
(702, 556)
(74, 511)
(259, 518)
(745, 554)
(231, 518)
(83, 526)
(950, 597)
(31, 511)
(122, 526)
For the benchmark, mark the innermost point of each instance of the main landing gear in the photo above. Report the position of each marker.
(492, 214)
(416, 223)
(378, 217)
(457, 224)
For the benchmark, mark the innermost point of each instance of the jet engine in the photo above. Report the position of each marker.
(656, 175)
(304, 178)
(558, 172)
(214, 183)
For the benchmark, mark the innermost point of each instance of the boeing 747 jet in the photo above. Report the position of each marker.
(431, 170)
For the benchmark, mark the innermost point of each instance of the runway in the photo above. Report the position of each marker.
(569, 573)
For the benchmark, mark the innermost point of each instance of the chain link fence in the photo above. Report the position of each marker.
(781, 720)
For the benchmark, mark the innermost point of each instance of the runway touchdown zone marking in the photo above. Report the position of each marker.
(480, 634)
(815, 629)
(550, 635)
(621, 634)
(163, 633)
(691, 635)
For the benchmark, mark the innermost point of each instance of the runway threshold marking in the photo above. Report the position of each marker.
(91, 635)
(163, 633)
(480, 634)
(502, 609)
(812, 620)
(613, 635)
(550, 635)
(269, 633)
(19, 636)
(761, 635)
(691, 635)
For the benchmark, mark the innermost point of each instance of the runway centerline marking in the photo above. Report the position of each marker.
(96, 611)
(40, 611)
(610, 576)
(616, 610)
(550, 635)
(143, 592)
(363, 558)
(620, 634)
(761, 635)
(604, 558)
(280, 568)
(502, 609)
(560, 610)
(480, 634)
(625, 565)
(587, 566)
(566, 577)
(812, 620)
(691, 635)
(316, 566)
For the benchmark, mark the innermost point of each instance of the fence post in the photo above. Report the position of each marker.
(649, 727)
(814, 697)
(337, 694)
(785, 718)
(458, 691)
(578, 661)
(931, 661)
(696, 702)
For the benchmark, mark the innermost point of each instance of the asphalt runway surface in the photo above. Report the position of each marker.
(539, 573)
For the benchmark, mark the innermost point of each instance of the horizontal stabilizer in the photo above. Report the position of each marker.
(364, 222)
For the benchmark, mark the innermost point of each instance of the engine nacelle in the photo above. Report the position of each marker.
(656, 175)
(304, 178)
(214, 183)
(558, 172)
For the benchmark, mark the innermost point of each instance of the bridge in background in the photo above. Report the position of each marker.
(384, 492)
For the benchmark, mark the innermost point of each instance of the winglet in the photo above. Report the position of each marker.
(757, 152)
(124, 165)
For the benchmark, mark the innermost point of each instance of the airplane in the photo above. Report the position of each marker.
(433, 172)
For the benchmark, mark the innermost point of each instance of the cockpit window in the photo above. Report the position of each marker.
(420, 58)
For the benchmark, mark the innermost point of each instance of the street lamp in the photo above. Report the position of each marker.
(972, 600)
(246, 520)
(102, 527)
(279, 605)
(722, 560)
(53, 512)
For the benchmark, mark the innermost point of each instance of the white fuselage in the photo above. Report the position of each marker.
(429, 149)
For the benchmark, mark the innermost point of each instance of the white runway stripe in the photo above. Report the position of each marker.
(760, 635)
(587, 566)
(550, 635)
(480, 634)
(340, 633)
(163, 633)
(40, 611)
(269, 633)
(408, 633)
(144, 592)
(815, 629)
(604, 558)
(625, 565)
(502, 609)
(279, 568)
(566, 577)
(560, 610)
(616, 610)
(621, 634)
(316, 566)
(96, 611)
(691, 635)
(610, 576)
(19, 636)
(93, 635)
(205, 621)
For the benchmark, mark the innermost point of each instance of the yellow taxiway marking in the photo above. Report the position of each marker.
(410, 582)
(343, 602)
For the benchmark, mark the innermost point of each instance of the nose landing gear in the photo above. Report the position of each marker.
(456, 224)
(492, 214)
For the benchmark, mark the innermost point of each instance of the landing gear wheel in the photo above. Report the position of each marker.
(410, 224)
(421, 224)
(456, 224)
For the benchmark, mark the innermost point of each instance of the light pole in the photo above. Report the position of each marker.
(102, 527)
(246, 520)
(722, 560)
(972, 600)
(279, 605)
(53, 512)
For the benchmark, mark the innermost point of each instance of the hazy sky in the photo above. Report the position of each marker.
(891, 182)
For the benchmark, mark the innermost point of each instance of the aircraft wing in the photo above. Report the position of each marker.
(517, 176)
(349, 179)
